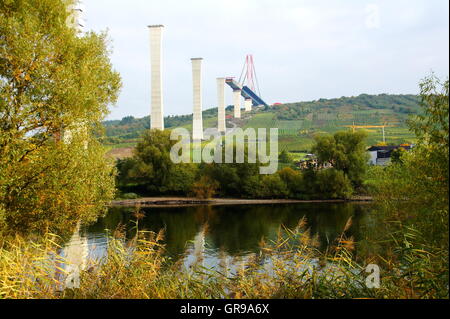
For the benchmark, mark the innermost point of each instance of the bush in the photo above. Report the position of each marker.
(284, 157)
(130, 196)
(333, 184)
(205, 188)
(274, 187)
(151, 168)
(345, 151)
(55, 88)
(293, 180)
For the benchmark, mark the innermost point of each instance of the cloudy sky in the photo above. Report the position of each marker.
(303, 50)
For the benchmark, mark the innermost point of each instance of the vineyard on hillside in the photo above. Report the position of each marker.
(297, 123)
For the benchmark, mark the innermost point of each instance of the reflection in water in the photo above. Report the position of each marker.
(218, 236)
(199, 246)
(224, 263)
(76, 258)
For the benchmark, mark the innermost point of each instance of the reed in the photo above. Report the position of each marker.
(289, 267)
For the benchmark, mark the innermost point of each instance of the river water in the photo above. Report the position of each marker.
(218, 233)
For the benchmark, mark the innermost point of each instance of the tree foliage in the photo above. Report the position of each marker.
(406, 104)
(422, 174)
(52, 81)
(284, 157)
(346, 152)
(332, 183)
(204, 188)
(320, 115)
(152, 167)
(413, 193)
(431, 127)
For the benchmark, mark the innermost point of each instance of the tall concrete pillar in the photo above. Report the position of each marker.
(221, 126)
(197, 124)
(237, 103)
(157, 109)
(75, 21)
(248, 105)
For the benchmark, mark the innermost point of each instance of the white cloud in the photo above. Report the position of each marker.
(373, 16)
(303, 50)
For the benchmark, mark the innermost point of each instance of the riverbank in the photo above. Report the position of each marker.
(190, 201)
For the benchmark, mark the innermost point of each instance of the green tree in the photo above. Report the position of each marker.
(422, 176)
(226, 174)
(331, 183)
(124, 167)
(274, 187)
(293, 180)
(235, 179)
(431, 127)
(204, 188)
(413, 195)
(396, 155)
(346, 152)
(52, 82)
(285, 157)
(182, 178)
(152, 156)
(152, 167)
(252, 186)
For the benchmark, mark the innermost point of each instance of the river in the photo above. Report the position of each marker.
(215, 233)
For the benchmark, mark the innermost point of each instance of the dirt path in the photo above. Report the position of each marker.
(190, 201)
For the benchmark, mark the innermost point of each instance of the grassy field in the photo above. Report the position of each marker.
(297, 123)
(298, 135)
(110, 147)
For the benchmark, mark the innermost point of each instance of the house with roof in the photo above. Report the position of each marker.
(311, 161)
(381, 155)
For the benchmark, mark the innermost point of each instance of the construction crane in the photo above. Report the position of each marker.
(354, 127)
(248, 83)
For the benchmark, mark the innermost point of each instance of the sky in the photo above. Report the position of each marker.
(303, 50)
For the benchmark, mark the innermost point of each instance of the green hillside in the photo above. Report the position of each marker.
(297, 122)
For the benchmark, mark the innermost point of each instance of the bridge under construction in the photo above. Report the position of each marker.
(248, 83)
(246, 87)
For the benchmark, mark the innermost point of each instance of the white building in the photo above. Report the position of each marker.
(381, 155)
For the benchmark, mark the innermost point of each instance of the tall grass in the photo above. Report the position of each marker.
(289, 267)
(29, 269)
